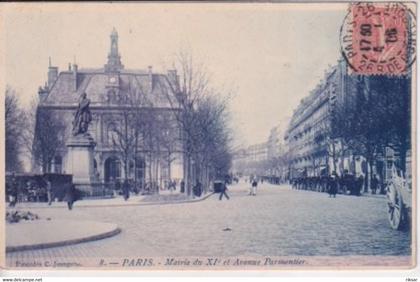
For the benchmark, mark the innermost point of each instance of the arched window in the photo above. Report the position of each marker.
(140, 167)
(112, 136)
(110, 96)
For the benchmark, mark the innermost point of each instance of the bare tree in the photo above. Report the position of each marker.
(29, 129)
(49, 136)
(170, 140)
(212, 139)
(124, 137)
(15, 124)
(186, 89)
(125, 126)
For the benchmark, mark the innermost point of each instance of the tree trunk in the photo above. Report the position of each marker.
(126, 167)
(149, 169)
(334, 158)
(366, 172)
(188, 178)
(370, 172)
(170, 166)
(44, 167)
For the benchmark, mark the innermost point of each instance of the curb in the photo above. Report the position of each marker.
(176, 202)
(140, 203)
(63, 243)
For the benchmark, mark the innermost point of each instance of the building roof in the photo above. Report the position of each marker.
(95, 84)
(65, 88)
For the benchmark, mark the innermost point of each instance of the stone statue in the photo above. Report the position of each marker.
(83, 117)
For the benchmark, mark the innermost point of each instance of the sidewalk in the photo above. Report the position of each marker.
(164, 197)
(40, 234)
(373, 195)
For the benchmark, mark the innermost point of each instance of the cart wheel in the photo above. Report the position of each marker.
(396, 211)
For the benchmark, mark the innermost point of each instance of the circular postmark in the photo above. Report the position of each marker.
(379, 38)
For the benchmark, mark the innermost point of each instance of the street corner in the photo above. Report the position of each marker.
(41, 234)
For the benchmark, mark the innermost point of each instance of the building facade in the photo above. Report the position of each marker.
(308, 136)
(110, 90)
(251, 160)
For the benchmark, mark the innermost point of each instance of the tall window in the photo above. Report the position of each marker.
(140, 170)
(58, 164)
(112, 169)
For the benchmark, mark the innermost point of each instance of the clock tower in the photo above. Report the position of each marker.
(114, 58)
(112, 69)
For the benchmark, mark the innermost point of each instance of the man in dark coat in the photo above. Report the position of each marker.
(71, 196)
(223, 191)
(374, 183)
(126, 189)
(359, 184)
(182, 185)
(254, 186)
(333, 185)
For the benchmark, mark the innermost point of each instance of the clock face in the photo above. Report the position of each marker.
(112, 79)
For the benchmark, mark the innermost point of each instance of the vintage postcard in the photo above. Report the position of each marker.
(209, 136)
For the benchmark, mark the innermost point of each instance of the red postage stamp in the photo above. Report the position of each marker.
(379, 38)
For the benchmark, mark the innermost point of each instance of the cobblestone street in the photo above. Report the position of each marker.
(278, 221)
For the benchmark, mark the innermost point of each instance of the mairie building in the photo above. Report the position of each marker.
(105, 87)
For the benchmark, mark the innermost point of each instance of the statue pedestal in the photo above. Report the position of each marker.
(80, 161)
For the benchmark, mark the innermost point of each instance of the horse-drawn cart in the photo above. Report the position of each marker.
(399, 200)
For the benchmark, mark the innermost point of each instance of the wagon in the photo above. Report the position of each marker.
(218, 186)
(399, 200)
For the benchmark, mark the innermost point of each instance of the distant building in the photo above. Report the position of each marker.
(105, 87)
(276, 154)
(275, 143)
(258, 152)
(251, 160)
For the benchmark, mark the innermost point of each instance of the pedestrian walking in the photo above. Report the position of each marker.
(71, 195)
(374, 183)
(172, 185)
(49, 190)
(126, 190)
(359, 184)
(182, 186)
(223, 191)
(254, 187)
(333, 185)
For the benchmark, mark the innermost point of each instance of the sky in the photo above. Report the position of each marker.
(269, 55)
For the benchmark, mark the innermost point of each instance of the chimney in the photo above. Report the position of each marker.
(150, 72)
(42, 93)
(52, 74)
(74, 79)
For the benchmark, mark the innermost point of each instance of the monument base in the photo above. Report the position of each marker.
(80, 161)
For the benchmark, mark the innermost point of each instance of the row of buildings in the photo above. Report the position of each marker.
(306, 147)
(262, 158)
